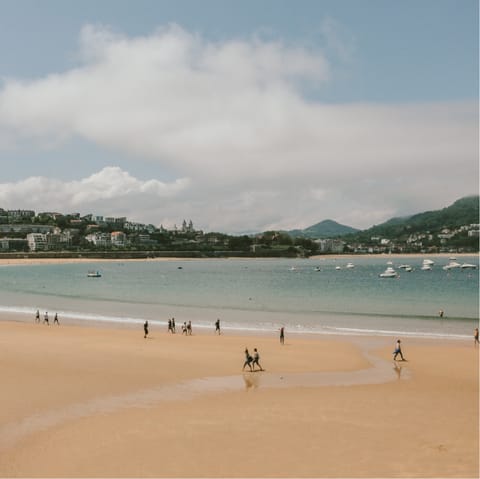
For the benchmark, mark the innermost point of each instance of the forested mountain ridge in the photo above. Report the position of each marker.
(464, 211)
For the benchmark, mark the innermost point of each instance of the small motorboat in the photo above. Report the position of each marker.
(94, 274)
(389, 273)
(452, 265)
(350, 265)
(468, 266)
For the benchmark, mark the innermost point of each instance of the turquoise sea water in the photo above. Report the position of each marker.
(304, 295)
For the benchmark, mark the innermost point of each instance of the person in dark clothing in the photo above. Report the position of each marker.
(145, 329)
(282, 335)
(248, 360)
(398, 350)
(217, 326)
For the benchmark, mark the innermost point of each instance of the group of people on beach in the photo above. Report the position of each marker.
(45, 318)
(252, 361)
(187, 327)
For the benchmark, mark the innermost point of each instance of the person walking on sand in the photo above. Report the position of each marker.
(189, 328)
(184, 328)
(475, 337)
(37, 316)
(398, 350)
(282, 335)
(248, 360)
(55, 320)
(145, 329)
(170, 326)
(217, 326)
(256, 359)
(45, 318)
(173, 325)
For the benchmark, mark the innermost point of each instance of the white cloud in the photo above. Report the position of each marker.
(232, 119)
(110, 186)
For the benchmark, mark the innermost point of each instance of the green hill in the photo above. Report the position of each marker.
(324, 229)
(464, 211)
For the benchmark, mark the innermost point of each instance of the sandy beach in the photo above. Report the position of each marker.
(30, 261)
(105, 402)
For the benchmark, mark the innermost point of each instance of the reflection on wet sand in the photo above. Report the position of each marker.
(251, 381)
(380, 372)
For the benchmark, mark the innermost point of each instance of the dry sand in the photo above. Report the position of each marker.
(95, 402)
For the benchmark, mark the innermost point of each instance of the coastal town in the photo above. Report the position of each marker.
(27, 232)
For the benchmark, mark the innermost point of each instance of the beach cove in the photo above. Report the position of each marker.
(94, 398)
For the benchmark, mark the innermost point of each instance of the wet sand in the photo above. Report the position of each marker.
(105, 402)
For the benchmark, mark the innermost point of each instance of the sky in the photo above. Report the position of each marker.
(240, 116)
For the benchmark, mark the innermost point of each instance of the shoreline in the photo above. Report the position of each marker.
(202, 328)
(335, 257)
(94, 402)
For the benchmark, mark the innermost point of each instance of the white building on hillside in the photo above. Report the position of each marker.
(37, 241)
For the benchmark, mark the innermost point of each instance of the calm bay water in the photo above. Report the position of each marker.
(304, 295)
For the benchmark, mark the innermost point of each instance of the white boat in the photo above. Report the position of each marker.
(452, 265)
(94, 274)
(350, 265)
(338, 267)
(468, 266)
(389, 273)
(408, 269)
(404, 266)
(317, 268)
(428, 262)
(426, 267)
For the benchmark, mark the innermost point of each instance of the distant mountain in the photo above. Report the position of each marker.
(464, 211)
(324, 229)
